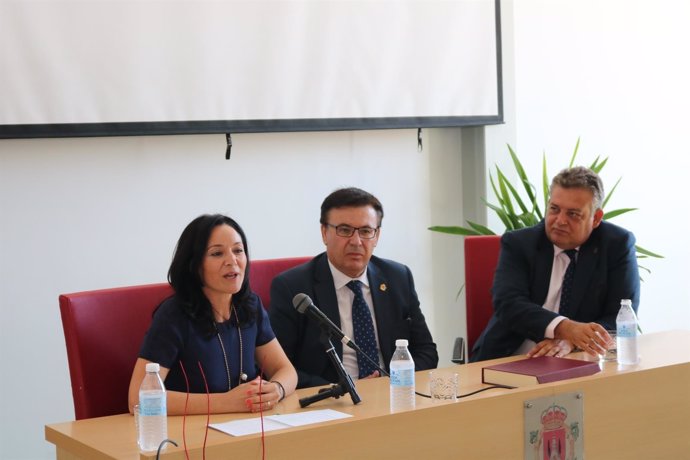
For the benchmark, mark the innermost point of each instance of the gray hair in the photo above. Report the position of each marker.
(581, 177)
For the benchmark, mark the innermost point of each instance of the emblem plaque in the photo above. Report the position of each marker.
(554, 427)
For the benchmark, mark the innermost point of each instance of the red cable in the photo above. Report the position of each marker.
(184, 414)
(261, 415)
(208, 408)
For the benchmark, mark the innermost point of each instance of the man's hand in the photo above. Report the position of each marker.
(373, 375)
(551, 347)
(589, 337)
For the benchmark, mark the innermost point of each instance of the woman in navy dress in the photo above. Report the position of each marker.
(214, 329)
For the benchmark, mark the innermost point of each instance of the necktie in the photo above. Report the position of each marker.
(567, 286)
(364, 330)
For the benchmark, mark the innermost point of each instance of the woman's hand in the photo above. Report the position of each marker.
(260, 395)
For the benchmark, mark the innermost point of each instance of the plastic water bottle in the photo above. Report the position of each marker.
(402, 378)
(153, 421)
(626, 333)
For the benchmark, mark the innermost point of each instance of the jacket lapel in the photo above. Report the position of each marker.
(325, 298)
(542, 268)
(382, 309)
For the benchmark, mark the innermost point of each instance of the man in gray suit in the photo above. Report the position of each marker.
(538, 312)
(350, 229)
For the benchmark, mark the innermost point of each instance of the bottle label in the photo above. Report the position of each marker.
(626, 330)
(152, 405)
(402, 377)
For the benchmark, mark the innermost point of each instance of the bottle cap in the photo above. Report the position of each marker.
(152, 367)
(401, 343)
(626, 301)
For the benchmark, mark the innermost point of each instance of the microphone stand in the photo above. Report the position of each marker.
(345, 383)
(355, 347)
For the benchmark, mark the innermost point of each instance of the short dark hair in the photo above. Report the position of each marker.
(350, 197)
(581, 177)
(184, 274)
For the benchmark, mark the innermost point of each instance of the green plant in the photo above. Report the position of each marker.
(516, 212)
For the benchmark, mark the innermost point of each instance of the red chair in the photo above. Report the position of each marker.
(481, 258)
(104, 330)
(262, 273)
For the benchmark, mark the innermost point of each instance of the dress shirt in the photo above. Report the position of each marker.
(553, 298)
(345, 298)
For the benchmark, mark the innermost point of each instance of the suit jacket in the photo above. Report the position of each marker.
(606, 272)
(396, 308)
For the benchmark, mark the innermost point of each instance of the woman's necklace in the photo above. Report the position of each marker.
(243, 376)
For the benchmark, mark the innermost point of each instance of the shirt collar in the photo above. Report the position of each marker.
(340, 279)
(557, 251)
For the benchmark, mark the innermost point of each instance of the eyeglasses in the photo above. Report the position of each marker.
(366, 233)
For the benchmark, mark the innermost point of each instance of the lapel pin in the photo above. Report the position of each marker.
(383, 287)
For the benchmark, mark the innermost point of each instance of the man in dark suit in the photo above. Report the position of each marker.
(558, 284)
(350, 229)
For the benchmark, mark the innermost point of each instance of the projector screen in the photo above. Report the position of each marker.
(138, 67)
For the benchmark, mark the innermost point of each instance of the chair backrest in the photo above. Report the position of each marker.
(104, 330)
(481, 258)
(263, 272)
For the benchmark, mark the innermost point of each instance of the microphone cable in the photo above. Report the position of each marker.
(184, 413)
(208, 415)
(375, 363)
(160, 447)
(208, 409)
(184, 419)
(384, 373)
(492, 387)
(261, 415)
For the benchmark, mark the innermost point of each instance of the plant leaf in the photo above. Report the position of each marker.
(610, 194)
(528, 219)
(505, 192)
(644, 268)
(453, 230)
(596, 166)
(457, 296)
(647, 252)
(508, 209)
(502, 215)
(593, 166)
(505, 197)
(545, 187)
(496, 194)
(617, 212)
(572, 159)
(529, 188)
(480, 228)
(493, 184)
(513, 192)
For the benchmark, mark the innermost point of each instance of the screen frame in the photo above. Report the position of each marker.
(149, 128)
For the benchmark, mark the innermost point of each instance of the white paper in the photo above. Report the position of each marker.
(277, 422)
(305, 418)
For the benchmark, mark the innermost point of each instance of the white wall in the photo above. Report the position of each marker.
(79, 214)
(90, 213)
(614, 73)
